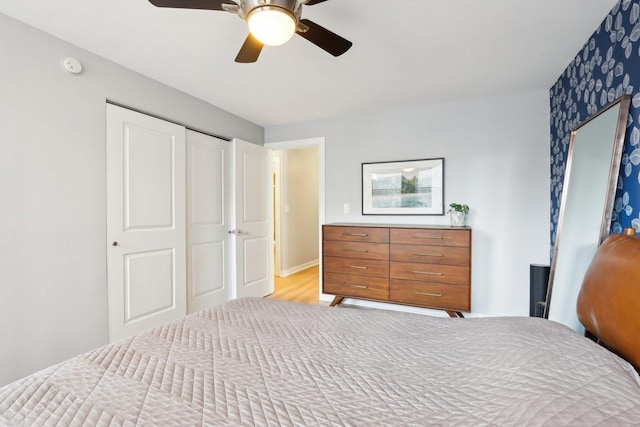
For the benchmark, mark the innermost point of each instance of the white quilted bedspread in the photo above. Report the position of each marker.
(264, 362)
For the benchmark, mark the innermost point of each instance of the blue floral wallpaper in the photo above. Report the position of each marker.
(607, 67)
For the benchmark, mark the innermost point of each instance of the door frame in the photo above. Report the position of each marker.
(277, 173)
(301, 143)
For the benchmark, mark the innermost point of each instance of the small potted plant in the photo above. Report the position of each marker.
(458, 214)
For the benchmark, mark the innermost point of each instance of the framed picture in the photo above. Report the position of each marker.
(409, 187)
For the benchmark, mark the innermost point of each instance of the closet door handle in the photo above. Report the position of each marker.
(237, 232)
(114, 244)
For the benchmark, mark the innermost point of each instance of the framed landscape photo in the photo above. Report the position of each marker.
(409, 187)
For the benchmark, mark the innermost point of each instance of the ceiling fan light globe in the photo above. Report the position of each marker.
(272, 26)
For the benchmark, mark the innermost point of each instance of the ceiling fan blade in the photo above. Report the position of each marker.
(312, 2)
(324, 39)
(192, 4)
(250, 50)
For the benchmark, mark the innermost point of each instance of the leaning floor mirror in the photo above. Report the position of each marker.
(591, 174)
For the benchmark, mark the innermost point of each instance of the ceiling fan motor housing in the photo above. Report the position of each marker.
(289, 6)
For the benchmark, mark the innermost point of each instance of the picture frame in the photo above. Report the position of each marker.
(404, 187)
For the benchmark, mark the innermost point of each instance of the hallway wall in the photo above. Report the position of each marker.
(299, 220)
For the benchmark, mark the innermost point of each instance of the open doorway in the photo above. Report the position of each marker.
(298, 216)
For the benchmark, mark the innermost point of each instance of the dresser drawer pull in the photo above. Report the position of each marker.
(356, 250)
(356, 286)
(433, 255)
(428, 294)
(358, 267)
(428, 273)
(427, 237)
(355, 234)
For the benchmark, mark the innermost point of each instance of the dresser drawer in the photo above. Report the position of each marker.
(356, 234)
(363, 267)
(449, 255)
(431, 237)
(379, 251)
(436, 295)
(453, 274)
(357, 286)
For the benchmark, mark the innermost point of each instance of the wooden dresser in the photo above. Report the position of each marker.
(424, 266)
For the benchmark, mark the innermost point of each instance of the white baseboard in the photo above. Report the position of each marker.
(298, 268)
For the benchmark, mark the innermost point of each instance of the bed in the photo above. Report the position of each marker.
(265, 362)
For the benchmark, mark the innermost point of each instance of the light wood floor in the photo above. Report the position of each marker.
(299, 287)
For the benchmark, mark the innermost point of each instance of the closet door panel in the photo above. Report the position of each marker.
(209, 207)
(146, 250)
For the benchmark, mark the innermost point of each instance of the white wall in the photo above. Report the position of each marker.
(53, 293)
(299, 226)
(496, 154)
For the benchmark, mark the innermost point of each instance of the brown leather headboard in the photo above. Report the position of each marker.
(609, 300)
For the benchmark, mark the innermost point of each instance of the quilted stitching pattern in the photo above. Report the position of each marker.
(265, 362)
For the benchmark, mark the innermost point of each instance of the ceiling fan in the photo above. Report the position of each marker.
(271, 22)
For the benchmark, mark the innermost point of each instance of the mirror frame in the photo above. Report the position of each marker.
(624, 103)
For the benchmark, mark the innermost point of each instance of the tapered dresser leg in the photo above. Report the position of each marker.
(455, 313)
(336, 300)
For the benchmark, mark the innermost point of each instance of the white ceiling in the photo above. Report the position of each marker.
(405, 52)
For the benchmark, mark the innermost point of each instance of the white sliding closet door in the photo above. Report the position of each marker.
(189, 221)
(209, 218)
(253, 191)
(146, 255)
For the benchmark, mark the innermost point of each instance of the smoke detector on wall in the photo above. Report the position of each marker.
(72, 65)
